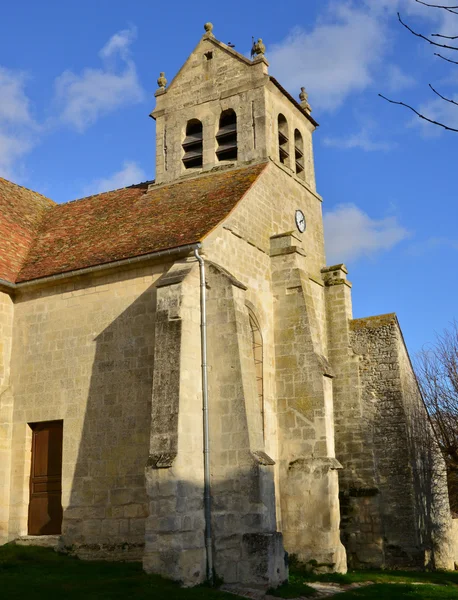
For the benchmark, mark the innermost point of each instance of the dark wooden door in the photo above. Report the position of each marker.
(45, 506)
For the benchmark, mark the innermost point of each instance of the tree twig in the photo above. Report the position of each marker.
(452, 9)
(423, 37)
(445, 37)
(443, 97)
(419, 114)
(455, 62)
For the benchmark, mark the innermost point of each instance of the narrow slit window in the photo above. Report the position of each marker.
(256, 340)
(283, 141)
(299, 154)
(193, 145)
(227, 136)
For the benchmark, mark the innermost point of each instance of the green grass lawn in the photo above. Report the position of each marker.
(40, 573)
(437, 577)
(393, 585)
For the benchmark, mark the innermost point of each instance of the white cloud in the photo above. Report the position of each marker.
(130, 174)
(119, 43)
(84, 98)
(397, 80)
(361, 140)
(336, 58)
(350, 233)
(18, 129)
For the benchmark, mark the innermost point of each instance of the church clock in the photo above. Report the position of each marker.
(300, 221)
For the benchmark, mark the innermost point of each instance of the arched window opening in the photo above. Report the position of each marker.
(299, 153)
(227, 136)
(256, 341)
(193, 145)
(283, 142)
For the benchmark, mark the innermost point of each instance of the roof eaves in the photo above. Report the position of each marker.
(158, 254)
(295, 102)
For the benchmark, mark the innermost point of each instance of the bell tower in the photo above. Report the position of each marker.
(223, 110)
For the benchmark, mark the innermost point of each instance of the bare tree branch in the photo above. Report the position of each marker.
(452, 9)
(423, 37)
(455, 62)
(443, 97)
(437, 375)
(419, 114)
(446, 37)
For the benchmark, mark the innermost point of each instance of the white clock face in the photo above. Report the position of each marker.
(300, 221)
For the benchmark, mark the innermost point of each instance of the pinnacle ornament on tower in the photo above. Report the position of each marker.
(161, 82)
(258, 49)
(208, 30)
(303, 96)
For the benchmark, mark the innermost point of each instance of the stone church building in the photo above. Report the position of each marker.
(181, 378)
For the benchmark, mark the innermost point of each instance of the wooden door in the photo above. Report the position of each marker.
(45, 506)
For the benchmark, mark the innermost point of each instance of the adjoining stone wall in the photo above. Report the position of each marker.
(6, 410)
(83, 353)
(391, 509)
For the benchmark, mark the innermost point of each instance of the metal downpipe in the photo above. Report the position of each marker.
(206, 436)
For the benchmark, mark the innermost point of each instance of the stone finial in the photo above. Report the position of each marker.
(304, 98)
(208, 28)
(162, 81)
(258, 48)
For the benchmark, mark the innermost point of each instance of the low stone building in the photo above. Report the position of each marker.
(124, 315)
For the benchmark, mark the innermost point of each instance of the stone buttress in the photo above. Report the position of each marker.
(308, 467)
(246, 546)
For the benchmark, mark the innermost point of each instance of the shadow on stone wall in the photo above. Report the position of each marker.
(114, 511)
(245, 547)
(105, 516)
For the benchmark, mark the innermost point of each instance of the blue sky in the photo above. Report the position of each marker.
(77, 82)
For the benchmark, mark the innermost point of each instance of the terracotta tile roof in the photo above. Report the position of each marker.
(21, 212)
(133, 221)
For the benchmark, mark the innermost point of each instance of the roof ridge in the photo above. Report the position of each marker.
(126, 187)
(27, 189)
(216, 170)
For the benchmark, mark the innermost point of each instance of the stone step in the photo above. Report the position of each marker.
(45, 541)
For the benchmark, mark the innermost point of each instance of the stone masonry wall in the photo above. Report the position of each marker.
(242, 245)
(83, 352)
(6, 410)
